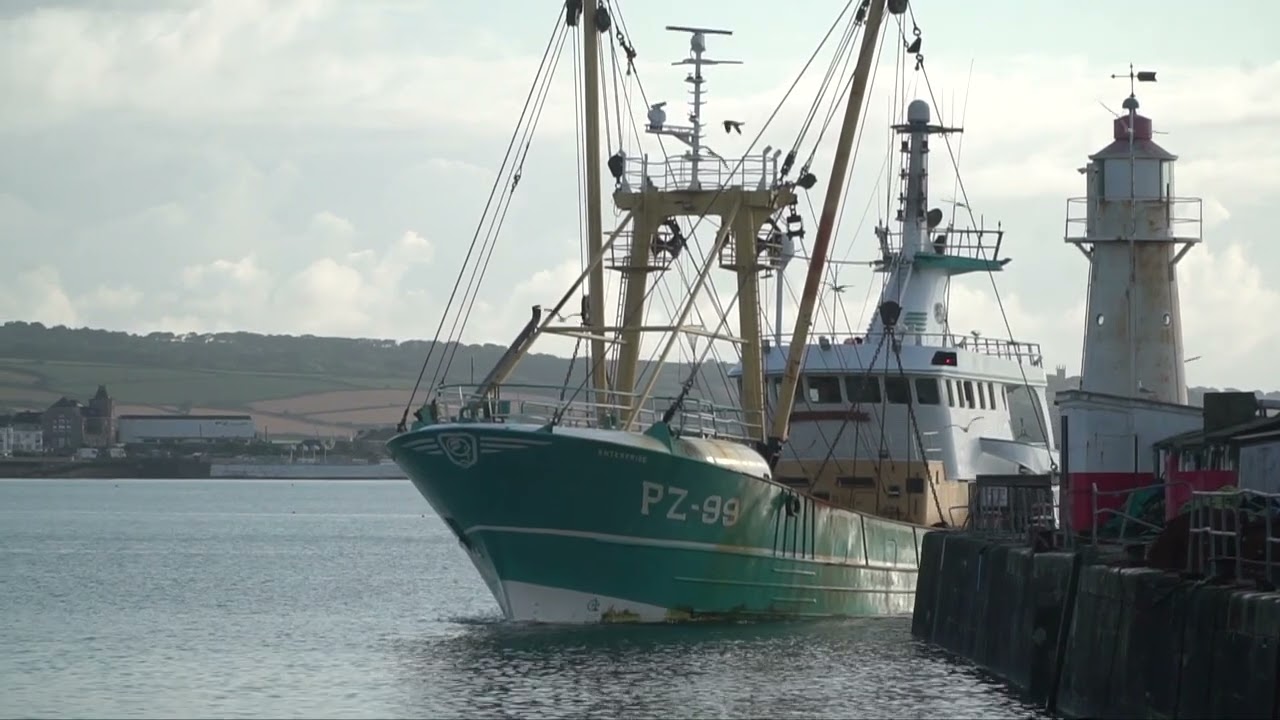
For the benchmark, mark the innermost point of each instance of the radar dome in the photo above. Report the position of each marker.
(918, 112)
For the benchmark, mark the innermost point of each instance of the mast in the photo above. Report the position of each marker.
(826, 225)
(591, 155)
(659, 193)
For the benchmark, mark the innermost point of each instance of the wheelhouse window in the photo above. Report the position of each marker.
(982, 396)
(968, 394)
(897, 390)
(927, 392)
(951, 393)
(823, 389)
(863, 389)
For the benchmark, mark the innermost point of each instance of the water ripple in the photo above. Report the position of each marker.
(323, 599)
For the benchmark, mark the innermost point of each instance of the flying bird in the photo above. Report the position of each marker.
(732, 125)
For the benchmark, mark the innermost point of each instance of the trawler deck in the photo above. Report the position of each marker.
(540, 403)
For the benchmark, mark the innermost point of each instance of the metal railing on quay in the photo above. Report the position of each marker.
(1232, 534)
(1097, 513)
(1013, 506)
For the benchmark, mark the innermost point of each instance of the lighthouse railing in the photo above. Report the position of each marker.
(1167, 219)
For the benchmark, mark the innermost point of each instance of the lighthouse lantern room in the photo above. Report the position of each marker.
(1133, 230)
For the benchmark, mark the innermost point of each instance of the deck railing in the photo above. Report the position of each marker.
(1028, 353)
(1226, 529)
(540, 403)
(676, 172)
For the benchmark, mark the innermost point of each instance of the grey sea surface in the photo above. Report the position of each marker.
(264, 598)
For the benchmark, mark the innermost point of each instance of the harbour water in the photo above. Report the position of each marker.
(264, 598)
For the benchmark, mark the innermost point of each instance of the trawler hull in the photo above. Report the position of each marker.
(589, 526)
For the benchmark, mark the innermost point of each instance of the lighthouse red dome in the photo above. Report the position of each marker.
(1142, 129)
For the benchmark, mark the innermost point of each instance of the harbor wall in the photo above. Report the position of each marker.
(1094, 640)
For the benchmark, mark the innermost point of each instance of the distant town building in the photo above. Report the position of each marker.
(63, 425)
(99, 420)
(21, 434)
(185, 428)
(70, 425)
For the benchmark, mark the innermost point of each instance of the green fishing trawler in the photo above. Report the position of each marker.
(599, 502)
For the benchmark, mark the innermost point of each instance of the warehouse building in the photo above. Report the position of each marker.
(185, 428)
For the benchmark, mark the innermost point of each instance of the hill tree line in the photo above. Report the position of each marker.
(392, 362)
(389, 361)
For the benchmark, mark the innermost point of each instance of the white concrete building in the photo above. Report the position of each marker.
(185, 428)
(17, 439)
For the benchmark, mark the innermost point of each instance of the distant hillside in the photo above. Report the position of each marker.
(293, 385)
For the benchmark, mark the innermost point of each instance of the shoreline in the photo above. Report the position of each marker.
(7, 478)
(189, 468)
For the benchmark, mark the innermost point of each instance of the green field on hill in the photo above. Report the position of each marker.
(303, 384)
(34, 384)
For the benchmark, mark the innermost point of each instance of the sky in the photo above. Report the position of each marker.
(319, 166)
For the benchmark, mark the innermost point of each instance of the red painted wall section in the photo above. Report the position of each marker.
(1118, 484)
(1181, 483)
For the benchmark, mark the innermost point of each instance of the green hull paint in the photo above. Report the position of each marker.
(607, 520)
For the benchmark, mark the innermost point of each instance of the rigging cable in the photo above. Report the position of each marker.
(866, 370)
(845, 44)
(712, 291)
(772, 116)
(914, 426)
(853, 410)
(1040, 421)
(400, 427)
(668, 296)
(735, 171)
(478, 272)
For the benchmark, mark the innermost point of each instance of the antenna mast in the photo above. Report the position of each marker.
(691, 134)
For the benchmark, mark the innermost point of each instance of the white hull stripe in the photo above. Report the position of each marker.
(527, 602)
(683, 545)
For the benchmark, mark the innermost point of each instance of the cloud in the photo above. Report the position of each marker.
(326, 223)
(250, 61)
(38, 294)
(254, 164)
(1227, 305)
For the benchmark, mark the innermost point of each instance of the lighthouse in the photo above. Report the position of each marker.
(1133, 229)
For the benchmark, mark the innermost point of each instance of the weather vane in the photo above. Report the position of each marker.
(1136, 77)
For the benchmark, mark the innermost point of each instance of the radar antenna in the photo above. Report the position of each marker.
(691, 134)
